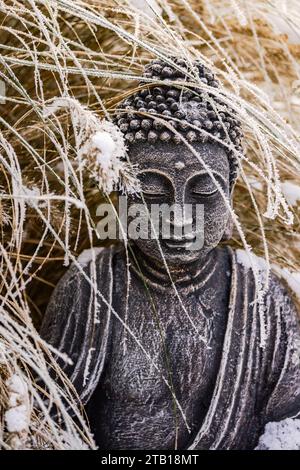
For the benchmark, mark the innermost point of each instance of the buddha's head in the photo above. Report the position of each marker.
(185, 144)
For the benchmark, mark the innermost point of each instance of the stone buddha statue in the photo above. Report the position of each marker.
(170, 348)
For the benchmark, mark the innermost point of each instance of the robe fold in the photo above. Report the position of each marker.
(256, 383)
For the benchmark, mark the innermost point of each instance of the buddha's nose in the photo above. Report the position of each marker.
(181, 223)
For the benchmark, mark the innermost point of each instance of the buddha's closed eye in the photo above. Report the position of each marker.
(203, 185)
(155, 185)
(153, 193)
(202, 192)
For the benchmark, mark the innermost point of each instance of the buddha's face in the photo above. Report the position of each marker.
(172, 174)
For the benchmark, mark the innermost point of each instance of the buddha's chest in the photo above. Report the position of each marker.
(161, 366)
(166, 345)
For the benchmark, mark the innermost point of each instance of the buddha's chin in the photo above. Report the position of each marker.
(176, 256)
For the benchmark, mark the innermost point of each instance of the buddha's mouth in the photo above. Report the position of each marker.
(180, 243)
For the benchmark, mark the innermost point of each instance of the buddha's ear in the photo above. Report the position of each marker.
(228, 230)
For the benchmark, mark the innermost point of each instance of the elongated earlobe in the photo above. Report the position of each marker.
(228, 230)
(227, 235)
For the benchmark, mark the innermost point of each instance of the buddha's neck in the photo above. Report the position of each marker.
(156, 273)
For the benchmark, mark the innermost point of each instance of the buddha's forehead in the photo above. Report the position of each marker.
(178, 161)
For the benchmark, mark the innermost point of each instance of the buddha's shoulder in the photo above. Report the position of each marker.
(90, 262)
(279, 284)
(97, 255)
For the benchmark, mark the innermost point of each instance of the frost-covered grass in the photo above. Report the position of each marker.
(66, 65)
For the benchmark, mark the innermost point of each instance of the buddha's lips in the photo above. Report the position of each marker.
(189, 237)
(180, 242)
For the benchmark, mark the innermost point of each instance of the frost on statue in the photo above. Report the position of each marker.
(181, 358)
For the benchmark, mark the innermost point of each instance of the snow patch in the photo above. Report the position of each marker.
(17, 416)
(17, 419)
(291, 192)
(13, 399)
(104, 142)
(282, 435)
(248, 260)
(291, 277)
(87, 255)
(15, 384)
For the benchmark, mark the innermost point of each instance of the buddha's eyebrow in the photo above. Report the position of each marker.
(204, 172)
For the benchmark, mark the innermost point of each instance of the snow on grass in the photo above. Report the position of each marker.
(15, 384)
(282, 435)
(103, 142)
(100, 147)
(17, 419)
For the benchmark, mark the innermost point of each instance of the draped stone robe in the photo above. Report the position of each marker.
(252, 373)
